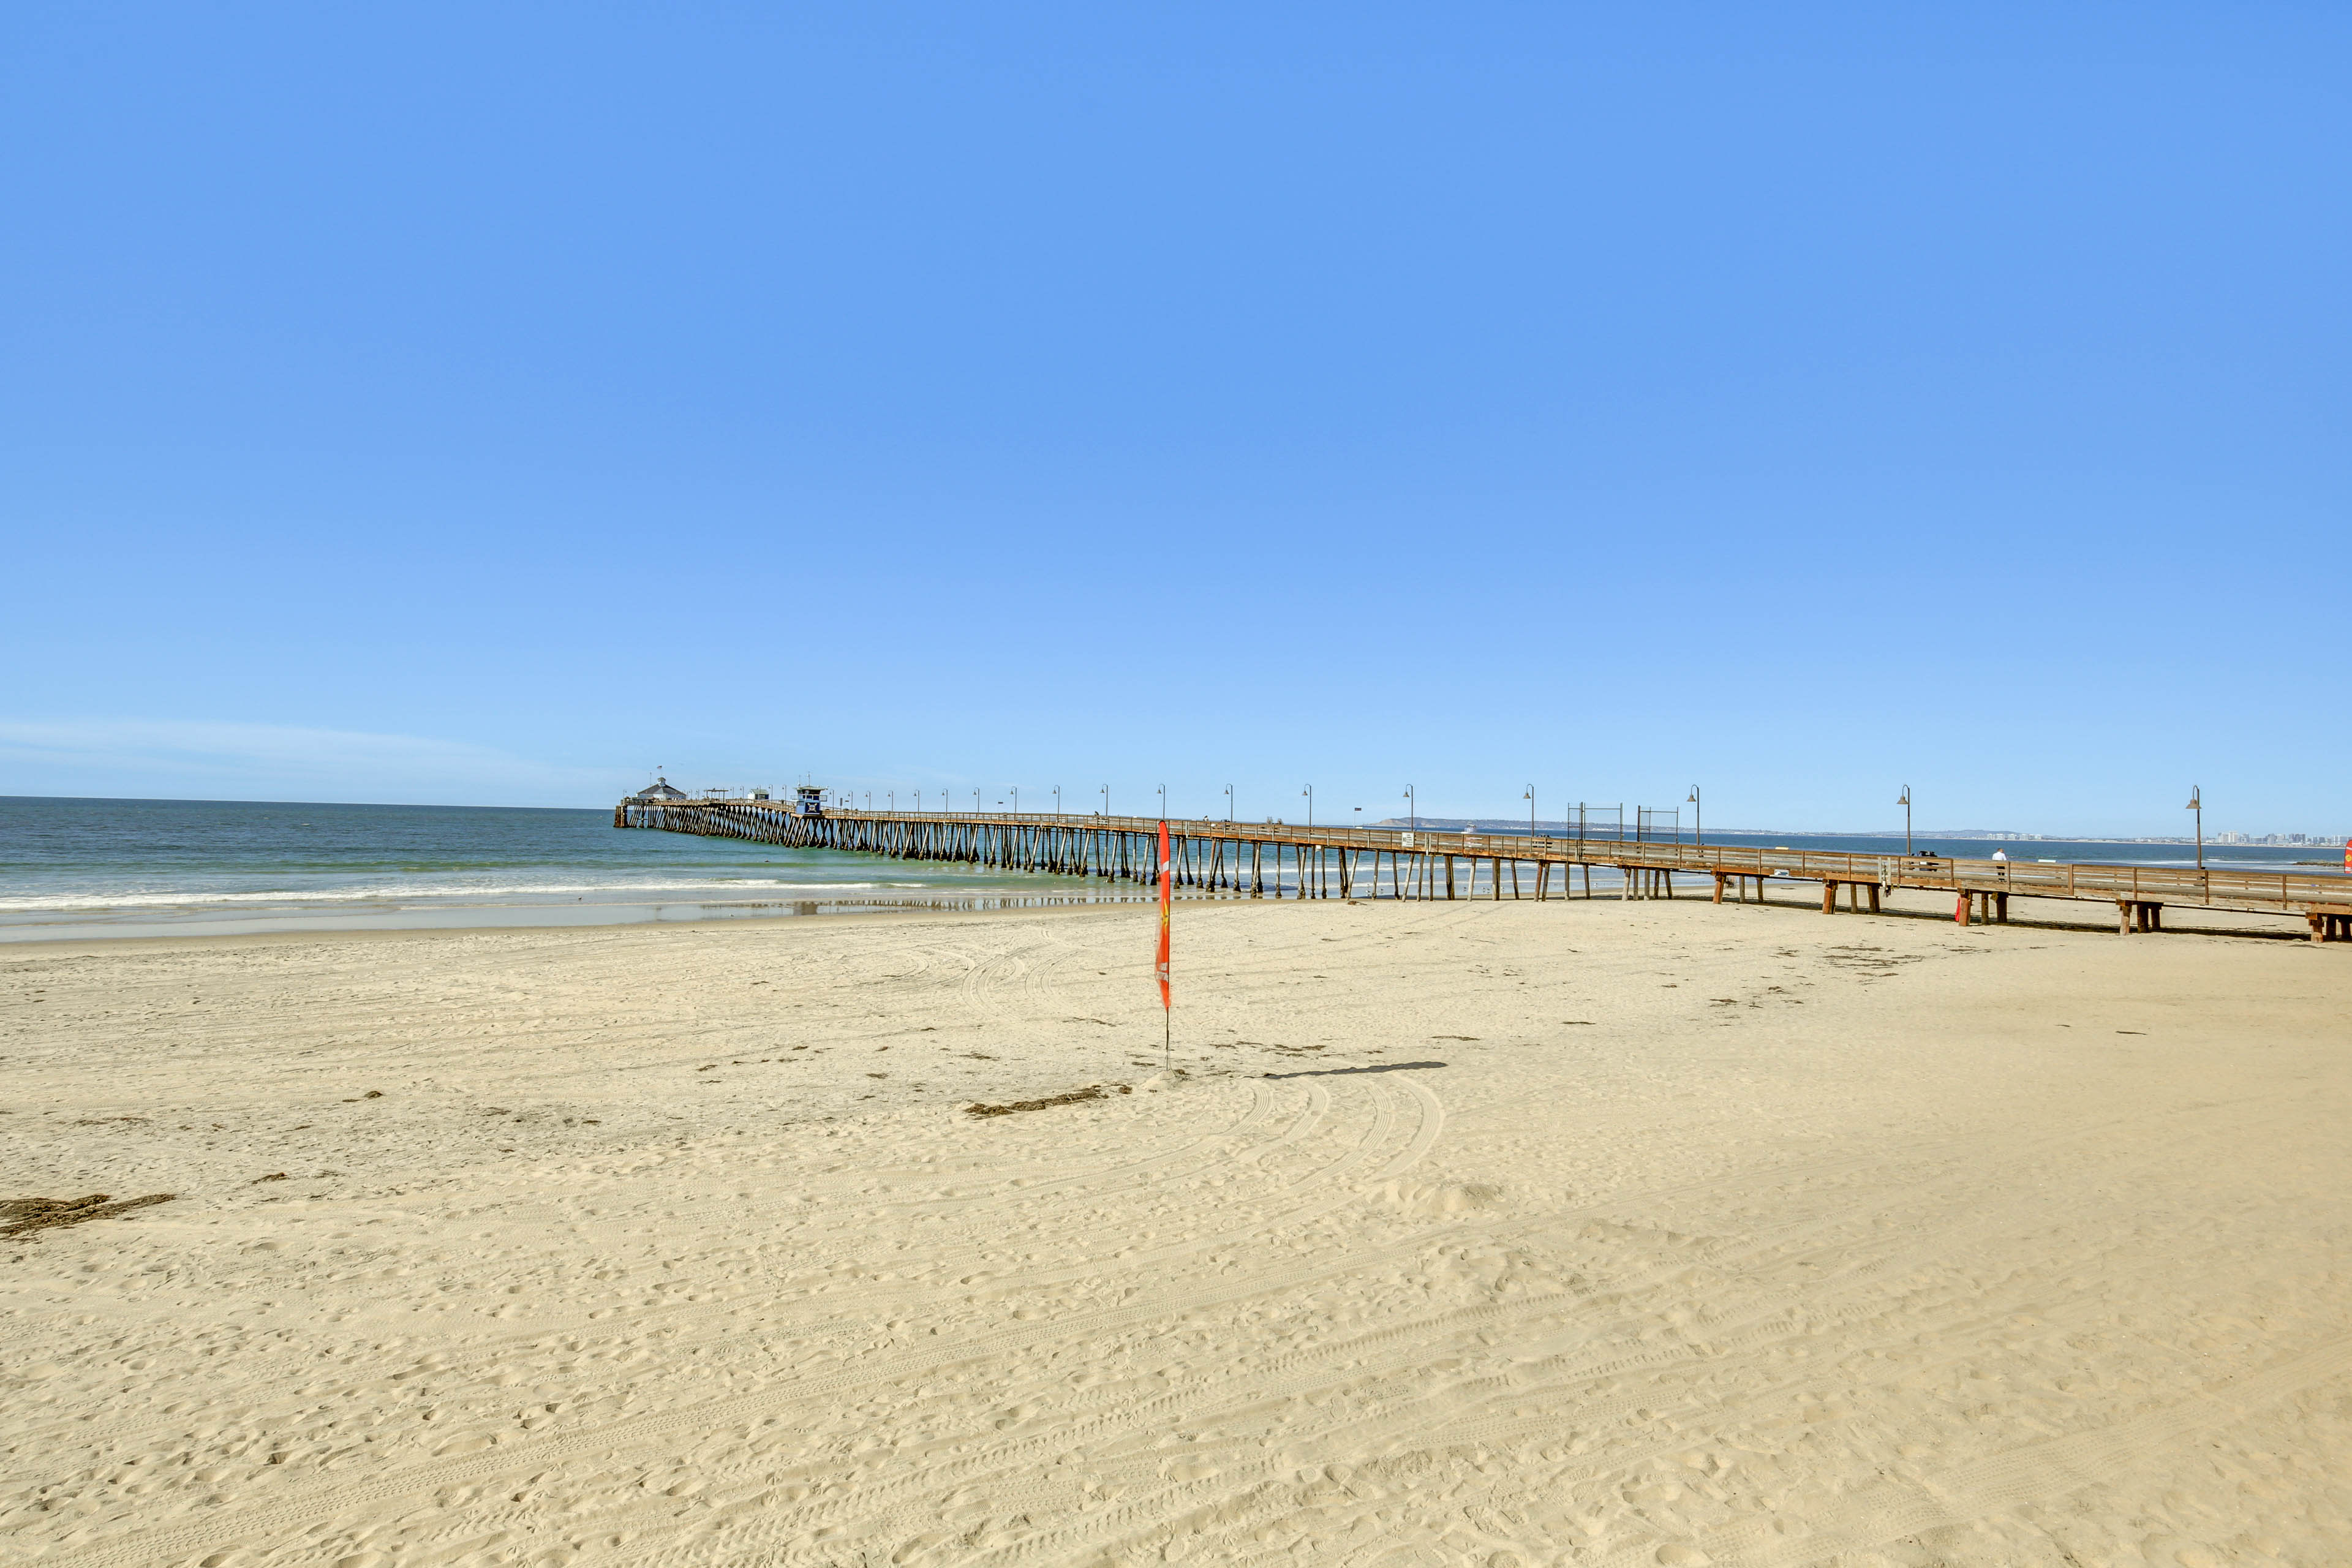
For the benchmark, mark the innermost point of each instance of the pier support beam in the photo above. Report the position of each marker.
(1121, 850)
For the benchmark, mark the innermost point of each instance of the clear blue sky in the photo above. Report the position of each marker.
(486, 404)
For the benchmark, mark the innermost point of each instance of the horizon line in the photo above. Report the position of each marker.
(1488, 824)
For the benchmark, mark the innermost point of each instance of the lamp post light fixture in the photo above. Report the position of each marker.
(2196, 804)
(1106, 800)
(1310, 793)
(1163, 803)
(1413, 808)
(1530, 798)
(1229, 803)
(1058, 800)
(1016, 800)
(1698, 822)
(1904, 802)
(975, 802)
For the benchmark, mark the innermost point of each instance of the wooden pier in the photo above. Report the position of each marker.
(1283, 860)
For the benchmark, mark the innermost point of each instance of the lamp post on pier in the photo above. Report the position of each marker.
(1310, 793)
(975, 802)
(1698, 822)
(1530, 798)
(1229, 803)
(1058, 800)
(2196, 804)
(1163, 803)
(1106, 800)
(1904, 802)
(1016, 800)
(1414, 809)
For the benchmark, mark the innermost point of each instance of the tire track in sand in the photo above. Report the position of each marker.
(1999, 1483)
(320, 1504)
(611, 1323)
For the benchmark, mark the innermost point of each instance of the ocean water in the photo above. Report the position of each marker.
(79, 868)
(76, 868)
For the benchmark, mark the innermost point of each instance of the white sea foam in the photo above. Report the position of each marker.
(403, 893)
(98, 868)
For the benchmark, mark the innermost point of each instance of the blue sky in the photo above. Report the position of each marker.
(483, 405)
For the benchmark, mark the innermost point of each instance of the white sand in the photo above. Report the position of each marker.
(1724, 1235)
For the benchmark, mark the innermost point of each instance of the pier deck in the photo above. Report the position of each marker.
(1267, 859)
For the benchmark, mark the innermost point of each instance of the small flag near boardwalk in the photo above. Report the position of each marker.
(1166, 894)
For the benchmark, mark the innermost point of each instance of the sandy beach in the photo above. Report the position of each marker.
(1473, 1233)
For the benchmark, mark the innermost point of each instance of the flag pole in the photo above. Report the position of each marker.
(1167, 1007)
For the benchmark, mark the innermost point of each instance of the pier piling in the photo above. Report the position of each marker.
(1286, 860)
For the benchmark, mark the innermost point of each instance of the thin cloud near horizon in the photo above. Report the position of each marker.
(201, 758)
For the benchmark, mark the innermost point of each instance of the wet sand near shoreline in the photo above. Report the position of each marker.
(1493, 1233)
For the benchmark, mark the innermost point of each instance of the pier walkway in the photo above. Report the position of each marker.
(1267, 859)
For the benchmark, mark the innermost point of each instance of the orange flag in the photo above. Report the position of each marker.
(1166, 896)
